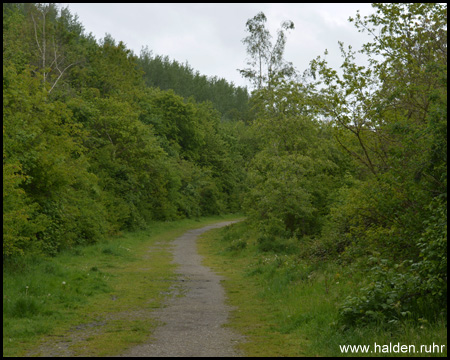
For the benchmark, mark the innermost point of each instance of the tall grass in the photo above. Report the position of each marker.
(46, 298)
(295, 302)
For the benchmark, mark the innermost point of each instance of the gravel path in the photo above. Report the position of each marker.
(192, 322)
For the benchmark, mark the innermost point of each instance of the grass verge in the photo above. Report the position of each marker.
(286, 306)
(91, 301)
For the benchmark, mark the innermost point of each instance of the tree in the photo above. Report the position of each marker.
(292, 176)
(266, 60)
(47, 168)
(230, 101)
(391, 117)
(56, 55)
(89, 150)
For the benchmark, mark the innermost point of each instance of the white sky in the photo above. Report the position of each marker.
(208, 36)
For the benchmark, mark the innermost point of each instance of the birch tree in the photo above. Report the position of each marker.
(266, 60)
(53, 59)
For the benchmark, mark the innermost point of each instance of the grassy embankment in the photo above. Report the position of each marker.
(94, 300)
(287, 306)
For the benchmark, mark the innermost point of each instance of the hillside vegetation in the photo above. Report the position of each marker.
(335, 169)
(90, 150)
(352, 166)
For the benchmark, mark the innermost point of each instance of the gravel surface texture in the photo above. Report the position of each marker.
(194, 316)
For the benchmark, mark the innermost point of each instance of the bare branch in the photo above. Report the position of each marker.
(35, 33)
(61, 74)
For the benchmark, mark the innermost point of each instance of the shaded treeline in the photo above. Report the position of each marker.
(352, 164)
(89, 149)
(346, 167)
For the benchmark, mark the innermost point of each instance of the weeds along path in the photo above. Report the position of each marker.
(194, 316)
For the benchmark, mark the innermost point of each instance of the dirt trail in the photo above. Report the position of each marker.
(192, 322)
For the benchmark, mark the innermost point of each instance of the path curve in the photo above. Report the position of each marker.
(193, 322)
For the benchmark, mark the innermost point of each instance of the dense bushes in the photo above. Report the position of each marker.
(349, 168)
(92, 150)
(410, 290)
(292, 177)
(367, 184)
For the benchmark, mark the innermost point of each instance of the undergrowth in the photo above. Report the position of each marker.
(48, 298)
(296, 302)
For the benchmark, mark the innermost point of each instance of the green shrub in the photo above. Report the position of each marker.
(24, 307)
(413, 289)
(237, 244)
(277, 244)
(390, 297)
(432, 266)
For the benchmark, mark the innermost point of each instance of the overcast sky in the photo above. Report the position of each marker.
(208, 36)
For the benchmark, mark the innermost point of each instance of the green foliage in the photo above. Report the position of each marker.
(112, 69)
(14, 26)
(389, 116)
(90, 150)
(342, 168)
(292, 177)
(160, 72)
(19, 221)
(175, 121)
(266, 60)
(353, 166)
(282, 300)
(432, 264)
(41, 137)
(126, 156)
(192, 135)
(409, 290)
(388, 299)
